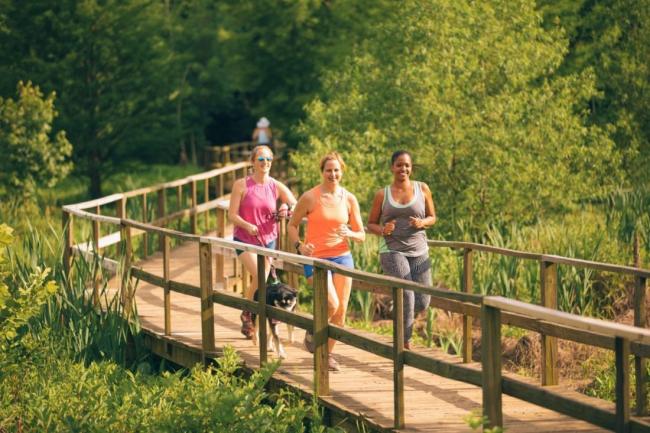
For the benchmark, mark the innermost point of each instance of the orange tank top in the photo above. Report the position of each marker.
(322, 224)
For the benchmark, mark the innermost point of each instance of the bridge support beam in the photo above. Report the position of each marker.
(491, 365)
(548, 279)
(640, 366)
(321, 333)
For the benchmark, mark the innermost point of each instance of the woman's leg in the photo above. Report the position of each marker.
(343, 288)
(249, 260)
(421, 273)
(397, 265)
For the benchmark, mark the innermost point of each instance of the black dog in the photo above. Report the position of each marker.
(282, 296)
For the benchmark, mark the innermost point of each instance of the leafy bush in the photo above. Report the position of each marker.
(31, 159)
(58, 395)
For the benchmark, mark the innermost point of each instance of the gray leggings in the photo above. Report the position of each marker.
(416, 269)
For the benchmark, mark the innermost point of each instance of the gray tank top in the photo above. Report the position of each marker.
(405, 239)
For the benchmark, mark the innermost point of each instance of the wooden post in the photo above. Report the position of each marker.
(491, 365)
(125, 237)
(161, 211)
(622, 348)
(167, 293)
(639, 362)
(261, 308)
(207, 310)
(206, 198)
(193, 215)
(548, 279)
(467, 285)
(220, 262)
(321, 334)
(145, 235)
(97, 253)
(220, 186)
(179, 203)
(68, 241)
(398, 356)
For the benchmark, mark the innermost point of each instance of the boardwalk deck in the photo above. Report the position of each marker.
(363, 387)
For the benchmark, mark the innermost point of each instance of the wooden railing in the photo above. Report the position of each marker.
(549, 285)
(492, 310)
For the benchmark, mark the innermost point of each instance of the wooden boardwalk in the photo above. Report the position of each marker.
(364, 387)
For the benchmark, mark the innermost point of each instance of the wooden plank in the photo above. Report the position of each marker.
(485, 248)
(145, 236)
(467, 285)
(193, 224)
(320, 334)
(607, 267)
(354, 338)
(622, 355)
(261, 307)
(207, 308)
(219, 259)
(179, 206)
(640, 367)
(161, 210)
(443, 368)
(234, 301)
(491, 365)
(206, 198)
(185, 289)
(571, 320)
(398, 357)
(167, 294)
(574, 405)
(548, 278)
(96, 202)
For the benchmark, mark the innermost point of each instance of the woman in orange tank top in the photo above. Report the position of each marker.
(333, 217)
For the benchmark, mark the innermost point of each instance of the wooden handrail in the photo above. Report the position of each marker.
(588, 324)
(494, 310)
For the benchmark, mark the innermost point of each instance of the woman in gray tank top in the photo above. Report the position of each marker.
(400, 214)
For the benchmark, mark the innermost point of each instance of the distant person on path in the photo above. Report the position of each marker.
(400, 214)
(253, 210)
(333, 217)
(262, 134)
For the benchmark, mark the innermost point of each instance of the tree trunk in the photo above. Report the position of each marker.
(95, 176)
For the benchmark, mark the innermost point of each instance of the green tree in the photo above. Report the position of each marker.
(108, 62)
(33, 157)
(469, 88)
(612, 38)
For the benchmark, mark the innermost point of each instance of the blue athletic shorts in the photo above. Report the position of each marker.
(270, 245)
(345, 260)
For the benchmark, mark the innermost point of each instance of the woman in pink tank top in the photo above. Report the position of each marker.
(253, 208)
(333, 218)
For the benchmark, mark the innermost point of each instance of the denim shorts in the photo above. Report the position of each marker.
(344, 260)
(270, 245)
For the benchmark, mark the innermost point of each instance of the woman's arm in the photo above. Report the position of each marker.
(286, 196)
(429, 209)
(355, 231)
(374, 226)
(238, 190)
(293, 228)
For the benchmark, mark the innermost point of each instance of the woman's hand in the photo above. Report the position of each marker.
(306, 249)
(283, 210)
(251, 229)
(388, 228)
(344, 231)
(418, 223)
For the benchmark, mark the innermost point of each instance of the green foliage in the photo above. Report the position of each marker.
(581, 235)
(22, 299)
(475, 420)
(469, 89)
(108, 63)
(58, 395)
(32, 158)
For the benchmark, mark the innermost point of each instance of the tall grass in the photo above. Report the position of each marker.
(582, 235)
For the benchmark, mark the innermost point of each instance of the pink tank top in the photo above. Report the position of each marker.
(258, 207)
